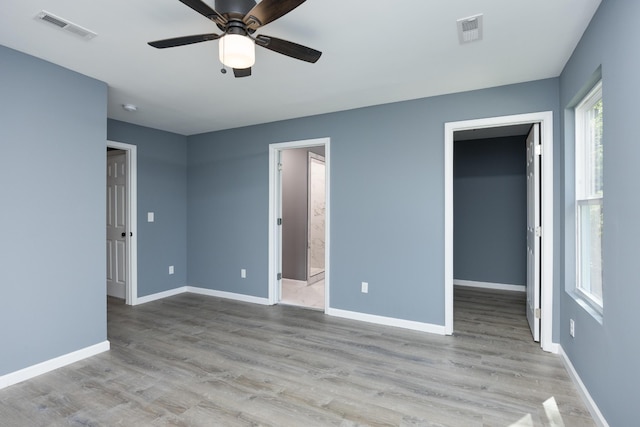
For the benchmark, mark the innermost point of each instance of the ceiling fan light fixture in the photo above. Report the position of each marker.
(237, 51)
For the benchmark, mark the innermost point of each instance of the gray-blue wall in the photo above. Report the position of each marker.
(606, 353)
(52, 131)
(162, 189)
(490, 210)
(387, 198)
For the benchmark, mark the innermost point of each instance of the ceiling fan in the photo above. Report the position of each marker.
(238, 20)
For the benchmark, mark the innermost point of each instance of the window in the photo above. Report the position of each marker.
(589, 197)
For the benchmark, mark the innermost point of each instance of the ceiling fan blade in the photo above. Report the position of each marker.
(181, 41)
(206, 11)
(291, 49)
(242, 72)
(269, 10)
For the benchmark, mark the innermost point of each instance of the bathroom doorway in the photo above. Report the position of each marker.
(303, 226)
(301, 216)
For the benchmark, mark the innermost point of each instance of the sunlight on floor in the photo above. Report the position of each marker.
(526, 421)
(551, 410)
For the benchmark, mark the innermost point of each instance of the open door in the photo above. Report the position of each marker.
(117, 224)
(533, 230)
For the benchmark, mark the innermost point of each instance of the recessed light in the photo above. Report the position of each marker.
(130, 107)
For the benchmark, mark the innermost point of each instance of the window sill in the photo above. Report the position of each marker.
(597, 315)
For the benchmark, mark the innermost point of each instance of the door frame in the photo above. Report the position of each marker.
(545, 119)
(275, 209)
(131, 162)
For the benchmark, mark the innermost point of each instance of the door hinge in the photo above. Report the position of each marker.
(279, 221)
(538, 231)
(279, 166)
(537, 313)
(279, 276)
(538, 150)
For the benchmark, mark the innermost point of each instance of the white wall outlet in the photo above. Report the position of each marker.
(572, 328)
(171, 269)
(243, 273)
(150, 217)
(365, 287)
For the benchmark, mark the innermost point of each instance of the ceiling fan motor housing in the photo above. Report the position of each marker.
(234, 8)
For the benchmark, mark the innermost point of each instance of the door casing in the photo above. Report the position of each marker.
(130, 150)
(545, 119)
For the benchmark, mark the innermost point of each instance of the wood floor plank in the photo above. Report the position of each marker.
(193, 360)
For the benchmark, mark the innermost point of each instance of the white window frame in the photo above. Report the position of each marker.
(585, 197)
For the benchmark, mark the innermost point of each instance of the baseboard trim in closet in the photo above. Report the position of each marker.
(490, 285)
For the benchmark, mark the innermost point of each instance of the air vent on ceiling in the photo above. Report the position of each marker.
(470, 29)
(63, 24)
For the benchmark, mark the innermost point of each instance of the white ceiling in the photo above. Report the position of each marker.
(373, 53)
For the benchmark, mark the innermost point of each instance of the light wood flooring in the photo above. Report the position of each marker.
(296, 292)
(192, 360)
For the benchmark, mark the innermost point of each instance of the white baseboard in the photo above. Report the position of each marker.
(227, 295)
(387, 321)
(584, 392)
(160, 295)
(489, 285)
(553, 347)
(201, 291)
(52, 364)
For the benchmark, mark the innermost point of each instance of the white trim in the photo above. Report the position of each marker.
(489, 285)
(582, 389)
(161, 295)
(227, 295)
(132, 218)
(52, 364)
(274, 210)
(202, 291)
(545, 119)
(387, 321)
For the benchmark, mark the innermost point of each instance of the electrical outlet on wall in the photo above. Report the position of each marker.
(364, 287)
(171, 269)
(243, 273)
(572, 328)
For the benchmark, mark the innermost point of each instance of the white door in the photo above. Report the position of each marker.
(533, 230)
(116, 224)
(316, 218)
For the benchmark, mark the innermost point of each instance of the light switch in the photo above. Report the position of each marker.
(150, 217)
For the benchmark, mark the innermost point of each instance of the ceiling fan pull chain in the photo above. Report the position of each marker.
(223, 70)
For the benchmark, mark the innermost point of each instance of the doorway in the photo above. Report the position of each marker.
(299, 223)
(121, 223)
(545, 121)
